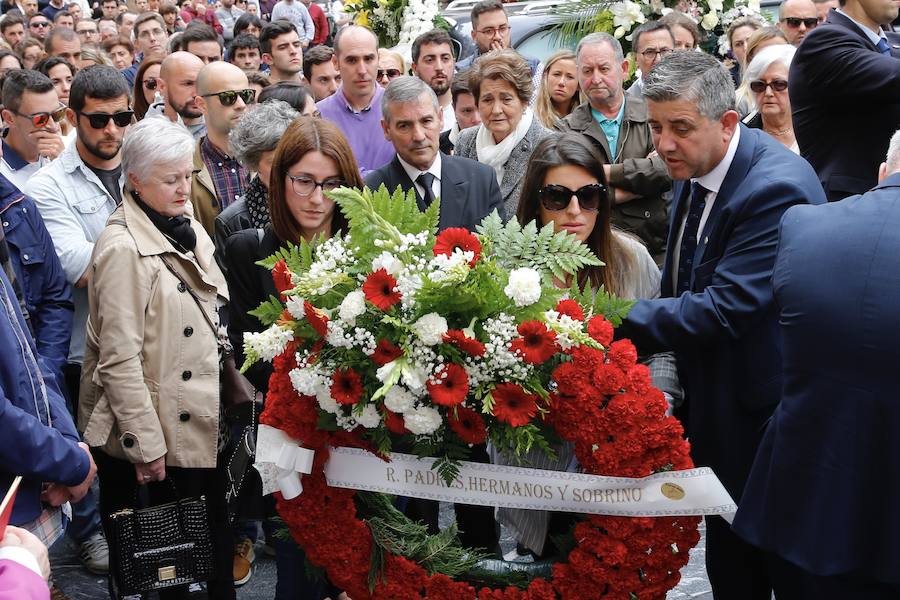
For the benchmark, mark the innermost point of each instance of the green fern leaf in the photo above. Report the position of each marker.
(269, 311)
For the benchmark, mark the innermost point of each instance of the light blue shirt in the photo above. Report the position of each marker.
(610, 128)
(873, 37)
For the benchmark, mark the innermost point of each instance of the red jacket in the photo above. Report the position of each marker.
(321, 23)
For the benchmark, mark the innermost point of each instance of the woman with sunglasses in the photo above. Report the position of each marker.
(312, 158)
(145, 86)
(767, 75)
(564, 185)
(61, 72)
(149, 399)
(390, 66)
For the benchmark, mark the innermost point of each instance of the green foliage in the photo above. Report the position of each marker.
(601, 302)
(514, 442)
(297, 258)
(553, 254)
(448, 450)
(269, 311)
(581, 18)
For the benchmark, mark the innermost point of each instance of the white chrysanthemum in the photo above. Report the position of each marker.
(306, 381)
(423, 420)
(414, 378)
(295, 307)
(369, 417)
(267, 344)
(388, 262)
(431, 328)
(326, 402)
(352, 306)
(524, 287)
(399, 400)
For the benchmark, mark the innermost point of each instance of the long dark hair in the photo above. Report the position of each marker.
(573, 149)
(305, 135)
(141, 106)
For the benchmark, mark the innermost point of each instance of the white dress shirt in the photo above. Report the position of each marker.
(434, 169)
(712, 181)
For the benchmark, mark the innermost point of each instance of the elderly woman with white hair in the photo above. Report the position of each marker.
(767, 77)
(149, 398)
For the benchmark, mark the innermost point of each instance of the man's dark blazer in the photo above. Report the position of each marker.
(469, 190)
(829, 455)
(845, 99)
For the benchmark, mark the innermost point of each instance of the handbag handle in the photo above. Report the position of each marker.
(177, 501)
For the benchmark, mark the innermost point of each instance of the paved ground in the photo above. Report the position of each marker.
(78, 584)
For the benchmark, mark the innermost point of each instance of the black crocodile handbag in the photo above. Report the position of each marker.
(159, 547)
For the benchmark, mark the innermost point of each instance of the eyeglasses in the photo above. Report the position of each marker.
(40, 24)
(122, 118)
(229, 97)
(794, 22)
(492, 31)
(557, 197)
(304, 185)
(42, 119)
(150, 83)
(651, 53)
(758, 86)
(87, 32)
(391, 73)
(148, 33)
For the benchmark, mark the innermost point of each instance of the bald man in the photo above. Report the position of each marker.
(796, 18)
(178, 85)
(223, 94)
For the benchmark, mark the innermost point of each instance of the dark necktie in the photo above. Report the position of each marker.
(883, 47)
(689, 237)
(425, 180)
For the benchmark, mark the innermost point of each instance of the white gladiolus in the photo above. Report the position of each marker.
(352, 306)
(296, 307)
(423, 420)
(431, 328)
(267, 344)
(524, 287)
(626, 14)
(388, 262)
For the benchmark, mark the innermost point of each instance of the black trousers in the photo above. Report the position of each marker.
(736, 570)
(793, 583)
(119, 490)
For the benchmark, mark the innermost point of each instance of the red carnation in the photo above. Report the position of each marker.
(457, 237)
(513, 405)
(346, 386)
(316, 318)
(571, 309)
(601, 330)
(468, 345)
(394, 422)
(381, 289)
(468, 425)
(452, 386)
(281, 275)
(537, 343)
(623, 354)
(385, 352)
(609, 379)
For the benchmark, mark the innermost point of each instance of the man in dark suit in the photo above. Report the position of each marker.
(829, 455)
(844, 87)
(468, 190)
(716, 310)
(412, 123)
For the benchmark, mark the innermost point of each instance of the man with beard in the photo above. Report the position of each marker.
(223, 94)
(178, 86)
(433, 63)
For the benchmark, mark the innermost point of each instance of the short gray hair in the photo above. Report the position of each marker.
(600, 37)
(153, 142)
(259, 131)
(780, 53)
(694, 77)
(406, 88)
(893, 153)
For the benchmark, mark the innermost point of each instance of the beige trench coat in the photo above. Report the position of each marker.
(150, 379)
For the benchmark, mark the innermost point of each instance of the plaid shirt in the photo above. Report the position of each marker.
(229, 177)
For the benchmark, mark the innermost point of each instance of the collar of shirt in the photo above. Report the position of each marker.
(213, 153)
(413, 172)
(713, 180)
(342, 98)
(873, 37)
(603, 120)
(12, 158)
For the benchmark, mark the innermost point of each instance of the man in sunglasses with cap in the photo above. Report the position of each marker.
(223, 94)
(32, 112)
(796, 18)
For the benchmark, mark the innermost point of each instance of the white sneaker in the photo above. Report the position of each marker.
(94, 554)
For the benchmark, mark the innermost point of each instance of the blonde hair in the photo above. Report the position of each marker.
(544, 108)
(384, 53)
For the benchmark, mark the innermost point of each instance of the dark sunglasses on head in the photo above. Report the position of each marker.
(229, 97)
(794, 22)
(99, 120)
(557, 197)
(391, 73)
(42, 119)
(150, 83)
(758, 86)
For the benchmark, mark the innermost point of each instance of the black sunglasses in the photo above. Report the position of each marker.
(758, 86)
(150, 83)
(391, 73)
(557, 197)
(229, 97)
(99, 120)
(794, 22)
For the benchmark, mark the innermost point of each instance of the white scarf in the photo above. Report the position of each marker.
(495, 155)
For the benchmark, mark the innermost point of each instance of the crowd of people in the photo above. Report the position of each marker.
(152, 154)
